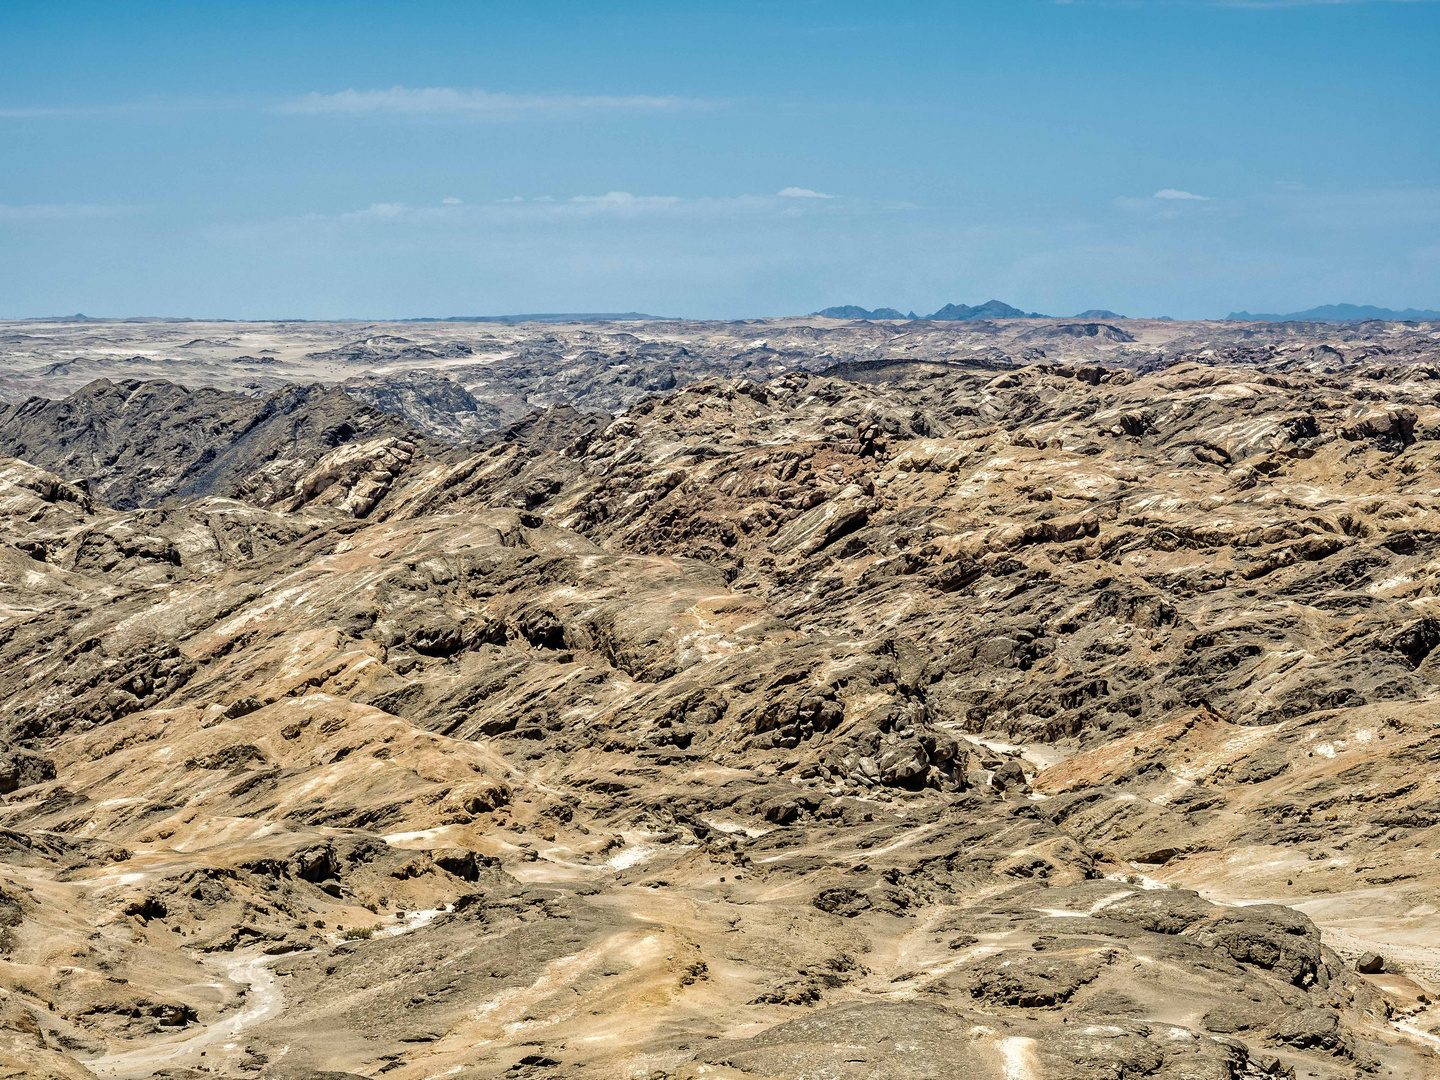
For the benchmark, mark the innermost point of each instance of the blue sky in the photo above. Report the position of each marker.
(717, 160)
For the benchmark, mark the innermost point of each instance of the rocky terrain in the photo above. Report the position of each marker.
(457, 381)
(835, 700)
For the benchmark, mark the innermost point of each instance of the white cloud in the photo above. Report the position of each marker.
(385, 211)
(1294, 205)
(624, 202)
(617, 205)
(1173, 193)
(446, 100)
(804, 193)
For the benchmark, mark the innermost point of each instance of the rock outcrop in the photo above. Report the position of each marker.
(1037, 720)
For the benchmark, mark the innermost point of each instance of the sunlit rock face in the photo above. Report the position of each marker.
(933, 709)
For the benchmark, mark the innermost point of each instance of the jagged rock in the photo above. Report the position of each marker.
(816, 674)
(1313, 1029)
(1030, 981)
(21, 768)
(1266, 935)
(157, 440)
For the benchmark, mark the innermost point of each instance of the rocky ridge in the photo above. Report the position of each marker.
(459, 381)
(1045, 720)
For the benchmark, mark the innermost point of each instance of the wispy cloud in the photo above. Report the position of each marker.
(804, 193)
(624, 200)
(1174, 204)
(381, 211)
(611, 205)
(446, 100)
(59, 211)
(1292, 205)
(397, 101)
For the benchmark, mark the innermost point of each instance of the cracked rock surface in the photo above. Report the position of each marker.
(1056, 718)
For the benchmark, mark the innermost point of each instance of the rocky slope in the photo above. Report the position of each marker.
(138, 443)
(457, 381)
(915, 717)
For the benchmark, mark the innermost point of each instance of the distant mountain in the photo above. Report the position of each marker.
(851, 311)
(991, 309)
(1340, 313)
(1098, 313)
(561, 316)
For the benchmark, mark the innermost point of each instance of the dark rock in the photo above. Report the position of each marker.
(844, 901)
(1370, 963)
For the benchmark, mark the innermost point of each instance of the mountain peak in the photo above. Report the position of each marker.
(852, 311)
(991, 309)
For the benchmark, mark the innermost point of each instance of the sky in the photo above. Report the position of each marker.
(717, 160)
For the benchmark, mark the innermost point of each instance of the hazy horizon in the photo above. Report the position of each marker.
(1318, 312)
(637, 316)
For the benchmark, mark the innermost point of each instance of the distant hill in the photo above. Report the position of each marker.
(991, 309)
(1099, 313)
(1340, 313)
(561, 316)
(851, 311)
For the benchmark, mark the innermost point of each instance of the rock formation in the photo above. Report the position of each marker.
(901, 718)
